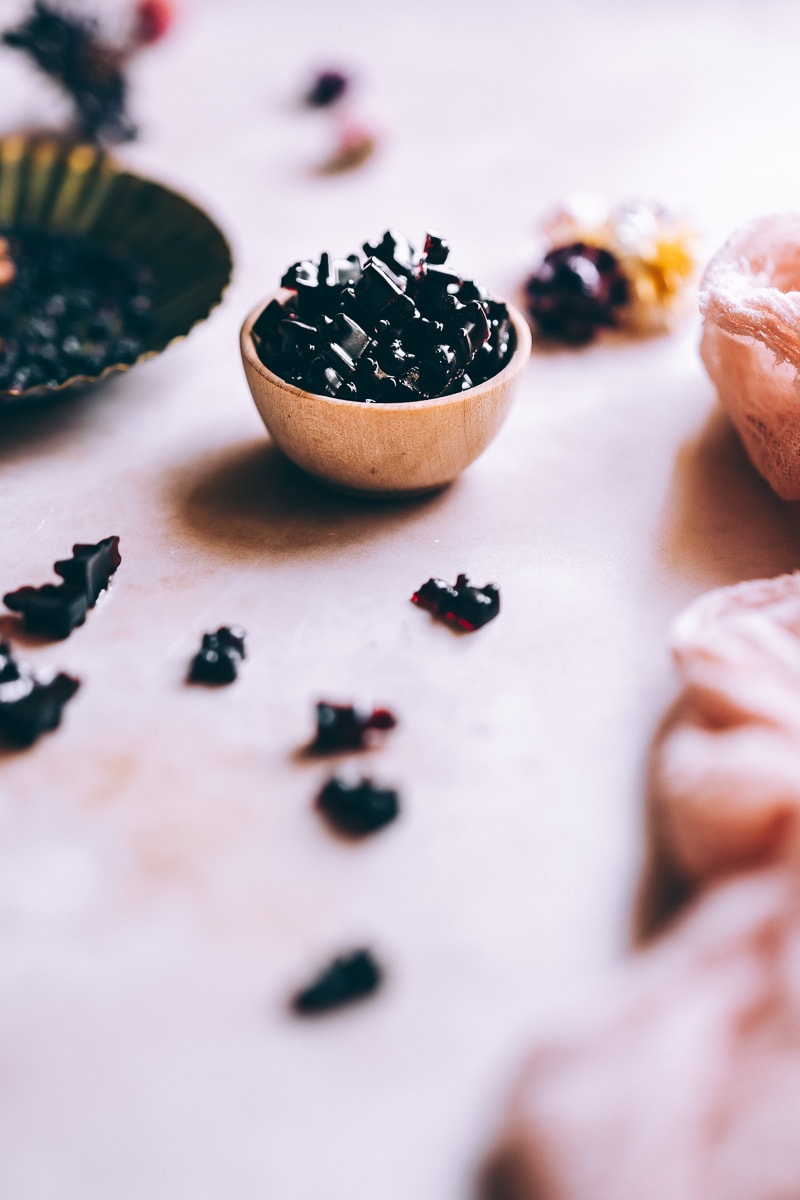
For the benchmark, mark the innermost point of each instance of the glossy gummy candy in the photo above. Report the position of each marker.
(461, 606)
(30, 704)
(347, 978)
(54, 610)
(401, 326)
(219, 657)
(357, 807)
(345, 727)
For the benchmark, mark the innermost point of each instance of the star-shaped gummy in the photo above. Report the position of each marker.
(91, 567)
(54, 610)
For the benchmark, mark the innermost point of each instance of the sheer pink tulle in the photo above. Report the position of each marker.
(750, 298)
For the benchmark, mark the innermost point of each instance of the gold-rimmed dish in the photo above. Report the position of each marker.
(58, 187)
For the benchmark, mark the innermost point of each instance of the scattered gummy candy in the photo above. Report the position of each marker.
(30, 704)
(461, 605)
(357, 806)
(348, 978)
(219, 656)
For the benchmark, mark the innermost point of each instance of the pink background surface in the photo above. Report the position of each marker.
(164, 882)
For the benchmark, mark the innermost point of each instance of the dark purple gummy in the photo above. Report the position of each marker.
(219, 657)
(357, 807)
(91, 567)
(327, 88)
(578, 290)
(348, 978)
(345, 727)
(432, 285)
(402, 328)
(349, 336)
(436, 249)
(461, 606)
(381, 292)
(30, 705)
(52, 610)
(395, 251)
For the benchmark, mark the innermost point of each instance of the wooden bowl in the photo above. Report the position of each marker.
(382, 449)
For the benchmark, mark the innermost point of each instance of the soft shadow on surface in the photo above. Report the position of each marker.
(724, 523)
(498, 1179)
(248, 499)
(12, 627)
(30, 426)
(33, 129)
(661, 891)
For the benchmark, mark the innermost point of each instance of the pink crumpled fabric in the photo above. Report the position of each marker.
(726, 774)
(682, 1082)
(750, 299)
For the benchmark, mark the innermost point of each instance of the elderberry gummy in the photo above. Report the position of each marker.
(459, 605)
(357, 806)
(348, 978)
(219, 656)
(54, 610)
(91, 566)
(73, 308)
(327, 89)
(576, 291)
(393, 326)
(30, 704)
(345, 727)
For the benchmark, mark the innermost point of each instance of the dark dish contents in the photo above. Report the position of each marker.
(461, 606)
(219, 657)
(577, 290)
(72, 308)
(349, 977)
(345, 727)
(392, 326)
(54, 610)
(30, 704)
(357, 806)
(69, 49)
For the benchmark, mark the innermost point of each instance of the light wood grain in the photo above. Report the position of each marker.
(383, 449)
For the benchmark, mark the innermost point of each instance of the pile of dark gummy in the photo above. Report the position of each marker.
(69, 49)
(393, 326)
(73, 308)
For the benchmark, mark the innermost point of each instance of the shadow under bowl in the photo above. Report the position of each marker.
(383, 450)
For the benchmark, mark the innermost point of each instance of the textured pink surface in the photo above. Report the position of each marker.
(751, 346)
(684, 1083)
(727, 770)
(164, 882)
